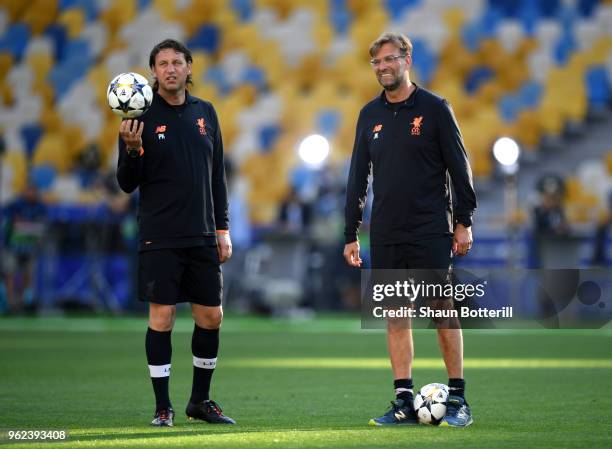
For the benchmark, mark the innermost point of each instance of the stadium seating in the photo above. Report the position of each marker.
(277, 70)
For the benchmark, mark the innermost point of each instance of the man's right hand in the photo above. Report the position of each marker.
(351, 254)
(131, 133)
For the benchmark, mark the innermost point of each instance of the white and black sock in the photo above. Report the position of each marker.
(404, 389)
(456, 387)
(204, 346)
(158, 346)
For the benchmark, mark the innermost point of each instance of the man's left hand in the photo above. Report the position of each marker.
(462, 240)
(224, 246)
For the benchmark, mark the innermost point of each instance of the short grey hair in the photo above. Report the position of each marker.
(399, 40)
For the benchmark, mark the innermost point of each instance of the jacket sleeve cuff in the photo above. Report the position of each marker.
(350, 237)
(464, 219)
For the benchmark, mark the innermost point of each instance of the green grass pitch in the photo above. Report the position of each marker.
(311, 384)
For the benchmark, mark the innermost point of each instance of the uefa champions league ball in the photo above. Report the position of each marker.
(129, 95)
(430, 403)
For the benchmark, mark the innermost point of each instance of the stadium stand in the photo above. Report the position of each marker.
(277, 70)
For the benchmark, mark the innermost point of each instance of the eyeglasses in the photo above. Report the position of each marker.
(388, 60)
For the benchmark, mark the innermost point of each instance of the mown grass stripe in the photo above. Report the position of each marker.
(378, 363)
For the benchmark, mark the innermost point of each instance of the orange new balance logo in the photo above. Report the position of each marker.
(416, 126)
(159, 132)
(202, 125)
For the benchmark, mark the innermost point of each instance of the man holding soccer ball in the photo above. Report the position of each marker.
(410, 140)
(174, 155)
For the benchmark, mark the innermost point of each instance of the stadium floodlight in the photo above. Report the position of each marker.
(506, 152)
(314, 150)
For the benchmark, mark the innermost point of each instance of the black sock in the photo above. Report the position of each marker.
(204, 346)
(159, 353)
(456, 387)
(404, 390)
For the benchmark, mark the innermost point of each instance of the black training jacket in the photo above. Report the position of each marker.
(412, 148)
(180, 174)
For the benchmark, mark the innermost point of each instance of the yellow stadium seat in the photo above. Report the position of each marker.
(40, 64)
(527, 129)
(309, 70)
(118, 13)
(108, 138)
(489, 92)
(16, 162)
(512, 75)
(75, 140)
(40, 14)
(14, 8)
(6, 62)
(199, 12)
(245, 37)
(454, 19)
(608, 160)
(6, 94)
(167, 10)
(283, 8)
(45, 91)
(363, 8)
(323, 35)
(100, 78)
(226, 19)
(50, 149)
(74, 21)
(364, 32)
(551, 118)
(50, 119)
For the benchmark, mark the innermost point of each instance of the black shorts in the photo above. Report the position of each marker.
(169, 276)
(434, 253)
(428, 260)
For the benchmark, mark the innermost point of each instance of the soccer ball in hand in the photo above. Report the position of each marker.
(430, 403)
(129, 95)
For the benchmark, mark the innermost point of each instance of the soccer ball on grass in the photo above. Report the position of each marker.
(430, 403)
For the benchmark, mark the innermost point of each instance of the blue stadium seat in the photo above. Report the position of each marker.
(31, 134)
(586, 7)
(548, 8)
(58, 35)
(490, 21)
(15, 40)
(507, 8)
(243, 8)
(424, 60)
(530, 94)
(567, 15)
(509, 106)
(42, 176)
(564, 47)
(598, 86)
(255, 76)
(206, 38)
(89, 7)
(476, 77)
(267, 136)
(471, 35)
(328, 121)
(529, 14)
(396, 8)
(341, 20)
(215, 75)
(74, 65)
(78, 49)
